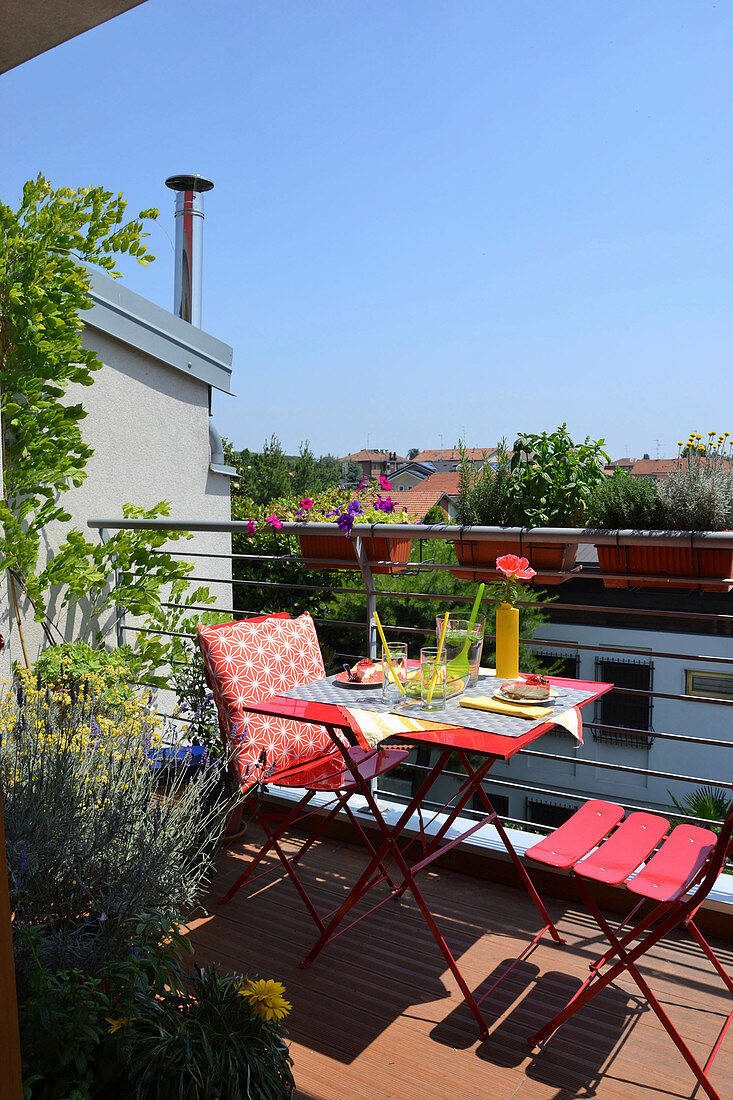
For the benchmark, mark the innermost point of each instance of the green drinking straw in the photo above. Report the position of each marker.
(459, 664)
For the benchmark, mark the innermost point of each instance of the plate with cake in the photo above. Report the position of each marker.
(531, 689)
(364, 674)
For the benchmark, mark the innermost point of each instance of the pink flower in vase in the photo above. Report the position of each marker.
(514, 569)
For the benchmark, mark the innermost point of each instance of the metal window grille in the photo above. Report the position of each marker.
(540, 812)
(620, 708)
(563, 664)
(500, 802)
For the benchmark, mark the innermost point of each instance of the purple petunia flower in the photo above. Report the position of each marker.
(355, 508)
(346, 523)
(385, 504)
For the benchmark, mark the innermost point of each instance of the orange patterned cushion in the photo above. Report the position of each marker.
(252, 660)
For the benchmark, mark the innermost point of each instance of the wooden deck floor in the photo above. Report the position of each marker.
(378, 1017)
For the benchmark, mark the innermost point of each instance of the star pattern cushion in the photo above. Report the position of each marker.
(252, 660)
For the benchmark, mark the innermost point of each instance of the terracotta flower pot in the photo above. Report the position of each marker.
(665, 561)
(235, 826)
(336, 546)
(478, 559)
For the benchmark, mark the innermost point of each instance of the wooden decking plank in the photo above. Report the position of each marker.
(379, 1017)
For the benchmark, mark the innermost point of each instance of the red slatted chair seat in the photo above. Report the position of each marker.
(668, 873)
(578, 835)
(625, 850)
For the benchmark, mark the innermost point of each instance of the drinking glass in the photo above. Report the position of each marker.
(463, 660)
(432, 678)
(391, 692)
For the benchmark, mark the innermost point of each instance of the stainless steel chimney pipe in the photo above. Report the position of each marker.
(189, 244)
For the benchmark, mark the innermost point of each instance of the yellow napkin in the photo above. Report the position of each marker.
(485, 702)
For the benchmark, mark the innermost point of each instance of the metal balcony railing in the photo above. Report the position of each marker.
(666, 632)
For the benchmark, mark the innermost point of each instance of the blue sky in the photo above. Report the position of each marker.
(431, 220)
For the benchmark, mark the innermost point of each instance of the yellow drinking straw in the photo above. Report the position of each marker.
(388, 655)
(431, 687)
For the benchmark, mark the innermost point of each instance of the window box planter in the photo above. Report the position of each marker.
(477, 560)
(342, 549)
(665, 562)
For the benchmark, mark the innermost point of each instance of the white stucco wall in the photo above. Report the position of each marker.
(148, 423)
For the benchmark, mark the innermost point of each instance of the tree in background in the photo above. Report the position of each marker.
(413, 453)
(270, 474)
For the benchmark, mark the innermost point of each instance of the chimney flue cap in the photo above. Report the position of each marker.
(189, 183)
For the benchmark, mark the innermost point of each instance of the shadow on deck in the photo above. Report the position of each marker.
(379, 1016)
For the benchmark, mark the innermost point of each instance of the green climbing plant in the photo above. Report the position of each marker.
(44, 290)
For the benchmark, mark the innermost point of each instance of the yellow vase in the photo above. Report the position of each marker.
(507, 642)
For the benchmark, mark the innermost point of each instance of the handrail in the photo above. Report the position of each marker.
(674, 770)
(556, 535)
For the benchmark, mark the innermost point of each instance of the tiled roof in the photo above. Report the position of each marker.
(650, 467)
(421, 498)
(374, 456)
(451, 454)
(653, 467)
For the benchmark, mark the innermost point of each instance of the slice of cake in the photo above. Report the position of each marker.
(531, 687)
(365, 672)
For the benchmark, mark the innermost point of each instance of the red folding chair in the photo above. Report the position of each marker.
(677, 879)
(251, 660)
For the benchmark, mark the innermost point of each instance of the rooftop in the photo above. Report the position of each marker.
(421, 498)
(451, 454)
(378, 1015)
(374, 456)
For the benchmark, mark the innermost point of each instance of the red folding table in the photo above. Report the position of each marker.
(465, 742)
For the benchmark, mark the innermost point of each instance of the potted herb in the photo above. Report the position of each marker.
(347, 510)
(546, 481)
(698, 496)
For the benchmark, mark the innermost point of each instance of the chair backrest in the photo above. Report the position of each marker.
(253, 659)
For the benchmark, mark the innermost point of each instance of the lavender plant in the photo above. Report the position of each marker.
(699, 493)
(90, 841)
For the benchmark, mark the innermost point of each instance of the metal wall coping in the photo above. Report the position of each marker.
(126, 316)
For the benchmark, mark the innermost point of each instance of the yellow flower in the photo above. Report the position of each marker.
(266, 998)
(116, 1022)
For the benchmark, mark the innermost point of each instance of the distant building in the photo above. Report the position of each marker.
(374, 463)
(410, 475)
(440, 488)
(657, 469)
(449, 458)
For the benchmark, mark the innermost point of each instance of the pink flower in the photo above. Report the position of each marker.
(251, 527)
(307, 504)
(383, 483)
(362, 484)
(274, 521)
(518, 569)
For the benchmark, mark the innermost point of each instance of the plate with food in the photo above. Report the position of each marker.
(531, 689)
(364, 674)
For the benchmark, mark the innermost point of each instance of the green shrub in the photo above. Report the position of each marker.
(210, 1042)
(626, 503)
